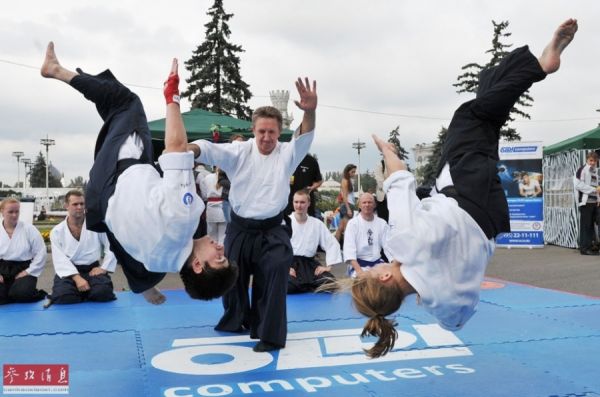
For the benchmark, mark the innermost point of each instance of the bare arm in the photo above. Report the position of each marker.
(391, 159)
(175, 134)
(308, 103)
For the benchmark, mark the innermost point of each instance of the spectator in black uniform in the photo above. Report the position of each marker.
(307, 176)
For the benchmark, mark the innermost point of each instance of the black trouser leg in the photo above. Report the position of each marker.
(24, 290)
(587, 217)
(104, 90)
(65, 292)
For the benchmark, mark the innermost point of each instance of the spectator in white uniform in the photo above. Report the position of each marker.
(259, 170)
(308, 233)
(212, 192)
(364, 237)
(149, 220)
(76, 256)
(22, 256)
(440, 246)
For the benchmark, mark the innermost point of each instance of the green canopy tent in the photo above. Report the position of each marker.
(588, 140)
(200, 124)
(561, 161)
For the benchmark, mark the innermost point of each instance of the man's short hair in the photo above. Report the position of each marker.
(303, 192)
(592, 155)
(267, 112)
(74, 192)
(210, 283)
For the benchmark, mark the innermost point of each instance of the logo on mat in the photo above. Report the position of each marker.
(327, 348)
(188, 198)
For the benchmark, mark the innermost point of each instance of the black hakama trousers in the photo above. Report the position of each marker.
(471, 146)
(305, 280)
(64, 290)
(262, 249)
(20, 290)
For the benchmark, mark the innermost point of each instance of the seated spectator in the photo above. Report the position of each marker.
(76, 258)
(364, 237)
(22, 256)
(308, 233)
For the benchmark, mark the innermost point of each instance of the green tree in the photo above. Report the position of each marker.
(335, 175)
(368, 182)
(215, 83)
(469, 80)
(395, 139)
(429, 171)
(38, 174)
(78, 182)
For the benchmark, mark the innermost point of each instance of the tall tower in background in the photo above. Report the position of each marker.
(280, 99)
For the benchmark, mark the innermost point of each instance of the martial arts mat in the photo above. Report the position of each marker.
(523, 341)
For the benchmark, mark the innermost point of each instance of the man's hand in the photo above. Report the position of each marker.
(308, 103)
(97, 271)
(308, 95)
(81, 284)
(320, 269)
(171, 86)
(292, 272)
(22, 273)
(392, 161)
(1, 279)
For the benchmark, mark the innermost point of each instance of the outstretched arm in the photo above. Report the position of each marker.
(308, 103)
(175, 135)
(391, 159)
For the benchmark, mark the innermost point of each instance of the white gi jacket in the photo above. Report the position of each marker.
(155, 218)
(67, 252)
(308, 236)
(442, 250)
(208, 190)
(26, 244)
(359, 233)
(583, 184)
(260, 185)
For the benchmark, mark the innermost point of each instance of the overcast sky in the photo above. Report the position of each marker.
(378, 64)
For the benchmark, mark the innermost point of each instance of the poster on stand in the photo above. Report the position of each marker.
(520, 172)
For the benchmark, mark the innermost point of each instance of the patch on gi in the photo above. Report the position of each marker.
(188, 198)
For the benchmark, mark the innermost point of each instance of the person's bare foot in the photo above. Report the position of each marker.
(154, 296)
(50, 67)
(550, 59)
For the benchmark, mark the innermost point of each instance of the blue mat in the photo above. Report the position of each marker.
(523, 341)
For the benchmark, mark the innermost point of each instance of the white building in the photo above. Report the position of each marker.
(330, 184)
(422, 153)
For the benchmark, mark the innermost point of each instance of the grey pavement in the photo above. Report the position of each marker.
(549, 267)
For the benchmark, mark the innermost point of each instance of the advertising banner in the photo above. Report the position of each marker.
(520, 172)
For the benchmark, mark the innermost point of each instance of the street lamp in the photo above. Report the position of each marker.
(18, 155)
(47, 142)
(26, 165)
(358, 145)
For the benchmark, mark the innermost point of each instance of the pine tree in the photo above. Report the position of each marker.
(395, 139)
(78, 182)
(430, 169)
(469, 80)
(215, 83)
(38, 174)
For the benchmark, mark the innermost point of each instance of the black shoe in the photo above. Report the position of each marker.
(590, 252)
(261, 347)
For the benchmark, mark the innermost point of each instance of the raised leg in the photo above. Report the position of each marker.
(564, 34)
